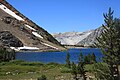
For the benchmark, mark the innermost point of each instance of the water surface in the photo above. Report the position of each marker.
(58, 57)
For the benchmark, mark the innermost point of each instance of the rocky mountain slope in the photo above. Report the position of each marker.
(90, 39)
(26, 32)
(71, 38)
(86, 38)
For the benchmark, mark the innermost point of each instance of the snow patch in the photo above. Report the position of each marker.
(30, 27)
(29, 48)
(50, 46)
(24, 48)
(4, 8)
(37, 35)
(14, 48)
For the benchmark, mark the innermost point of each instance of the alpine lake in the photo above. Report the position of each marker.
(58, 57)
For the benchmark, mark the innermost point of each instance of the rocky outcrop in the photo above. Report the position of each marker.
(7, 39)
(91, 39)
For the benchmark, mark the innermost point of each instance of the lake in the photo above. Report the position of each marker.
(57, 57)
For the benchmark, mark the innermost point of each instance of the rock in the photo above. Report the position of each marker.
(87, 38)
(7, 39)
(91, 39)
(71, 38)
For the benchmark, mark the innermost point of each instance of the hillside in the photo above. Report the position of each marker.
(25, 30)
(86, 38)
(71, 38)
(90, 39)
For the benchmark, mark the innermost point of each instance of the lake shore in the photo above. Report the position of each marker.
(78, 47)
(40, 51)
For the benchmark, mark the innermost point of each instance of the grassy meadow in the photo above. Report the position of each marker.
(21, 70)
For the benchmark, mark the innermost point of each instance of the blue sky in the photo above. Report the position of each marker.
(66, 15)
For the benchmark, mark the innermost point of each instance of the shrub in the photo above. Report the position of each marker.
(43, 77)
(53, 63)
(6, 55)
(65, 70)
(31, 64)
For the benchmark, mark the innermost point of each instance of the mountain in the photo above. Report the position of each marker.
(90, 39)
(86, 38)
(23, 32)
(71, 38)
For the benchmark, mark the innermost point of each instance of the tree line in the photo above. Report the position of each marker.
(6, 55)
(109, 43)
(77, 70)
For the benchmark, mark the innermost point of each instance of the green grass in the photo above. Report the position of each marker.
(89, 67)
(20, 70)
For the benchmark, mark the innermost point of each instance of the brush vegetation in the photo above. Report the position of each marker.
(17, 69)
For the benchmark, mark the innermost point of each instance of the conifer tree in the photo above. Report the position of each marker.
(68, 60)
(101, 71)
(89, 58)
(108, 43)
(117, 42)
(93, 57)
(81, 58)
(74, 70)
(80, 70)
(6, 55)
(86, 60)
(80, 67)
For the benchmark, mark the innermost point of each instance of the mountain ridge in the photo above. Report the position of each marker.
(28, 32)
(85, 39)
(71, 38)
(91, 39)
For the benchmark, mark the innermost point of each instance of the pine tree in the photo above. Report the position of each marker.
(89, 58)
(108, 42)
(101, 71)
(80, 70)
(81, 58)
(80, 67)
(6, 55)
(117, 30)
(86, 60)
(68, 60)
(93, 58)
(74, 70)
